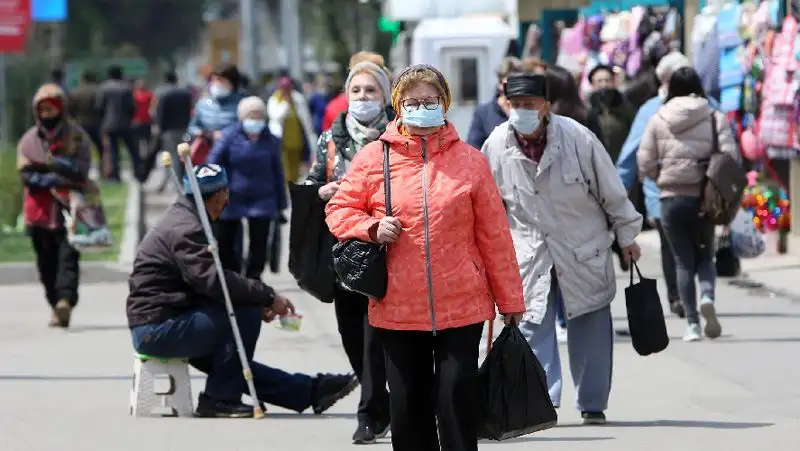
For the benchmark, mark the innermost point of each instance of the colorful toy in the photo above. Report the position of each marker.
(769, 204)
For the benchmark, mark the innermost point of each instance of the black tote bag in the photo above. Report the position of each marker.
(512, 390)
(645, 315)
(310, 243)
(361, 266)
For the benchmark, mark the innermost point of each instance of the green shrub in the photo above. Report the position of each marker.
(10, 187)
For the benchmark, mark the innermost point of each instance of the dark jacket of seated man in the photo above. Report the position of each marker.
(175, 309)
(174, 271)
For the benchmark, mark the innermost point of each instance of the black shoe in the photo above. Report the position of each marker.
(330, 388)
(214, 408)
(364, 434)
(381, 429)
(593, 417)
(676, 307)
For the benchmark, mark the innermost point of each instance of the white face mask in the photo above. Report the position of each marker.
(218, 92)
(662, 93)
(365, 111)
(524, 121)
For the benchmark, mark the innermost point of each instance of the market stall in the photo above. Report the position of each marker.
(748, 56)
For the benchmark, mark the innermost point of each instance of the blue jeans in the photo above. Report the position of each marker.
(205, 337)
(562, 320)
(692, 242)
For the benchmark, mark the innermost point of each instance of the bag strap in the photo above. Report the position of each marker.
(330, 161)
(714, 133)
(636, 267)
(387, 185)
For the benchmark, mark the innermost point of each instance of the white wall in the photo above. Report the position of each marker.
(413, 10)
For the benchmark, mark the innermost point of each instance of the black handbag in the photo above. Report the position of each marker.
(361, 266)
(645, 315)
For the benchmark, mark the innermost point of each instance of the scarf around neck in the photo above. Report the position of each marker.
(363, 134)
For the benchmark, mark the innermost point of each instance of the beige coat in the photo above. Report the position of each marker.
(560, 212)
(675, 142)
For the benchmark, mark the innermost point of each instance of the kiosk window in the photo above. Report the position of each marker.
(468, 78)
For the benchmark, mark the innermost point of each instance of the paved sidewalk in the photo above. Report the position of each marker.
(68, 390)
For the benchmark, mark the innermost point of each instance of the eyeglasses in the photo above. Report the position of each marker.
(430, 103)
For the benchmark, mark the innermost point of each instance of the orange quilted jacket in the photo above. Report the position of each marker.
(454, 260)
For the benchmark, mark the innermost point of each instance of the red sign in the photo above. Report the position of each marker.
(15, 18)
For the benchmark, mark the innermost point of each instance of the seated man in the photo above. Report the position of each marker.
(176, 309)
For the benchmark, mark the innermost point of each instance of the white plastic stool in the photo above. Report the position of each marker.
(176, 401)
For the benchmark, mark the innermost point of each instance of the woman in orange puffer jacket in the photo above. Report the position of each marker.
(450, 261)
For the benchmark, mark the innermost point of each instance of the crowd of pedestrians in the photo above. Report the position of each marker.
(522, 218)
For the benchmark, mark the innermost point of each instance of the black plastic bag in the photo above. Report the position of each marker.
(512, 390)
(726, 260)
(645, 315)
(310, 243)
(275, 246)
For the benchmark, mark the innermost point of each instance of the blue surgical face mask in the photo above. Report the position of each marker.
(424, 118)
(365, 111)
(253, 126)
(218, 92)
(523, 121)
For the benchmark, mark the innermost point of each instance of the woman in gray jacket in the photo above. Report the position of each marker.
(677, 142)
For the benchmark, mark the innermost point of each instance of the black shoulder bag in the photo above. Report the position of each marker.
(361, 266)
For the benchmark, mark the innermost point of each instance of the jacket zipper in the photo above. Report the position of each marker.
(428, 268)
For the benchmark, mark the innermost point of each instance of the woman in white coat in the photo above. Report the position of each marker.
(564, 202)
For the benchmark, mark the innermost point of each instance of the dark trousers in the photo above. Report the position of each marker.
(433, 377)
(143, 133)
(97, 141)
(668, 265)
(205, 337)
(691, 240)
(128, 138)
(230, 238)
(364, 350)
(58, 264)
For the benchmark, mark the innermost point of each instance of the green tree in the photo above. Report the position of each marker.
(157, 28)
(349, 26)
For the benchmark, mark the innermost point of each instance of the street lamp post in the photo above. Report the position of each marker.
(248, 38)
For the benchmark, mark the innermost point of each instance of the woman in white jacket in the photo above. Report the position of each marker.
(290, 120)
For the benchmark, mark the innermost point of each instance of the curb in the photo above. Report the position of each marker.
(134, 224)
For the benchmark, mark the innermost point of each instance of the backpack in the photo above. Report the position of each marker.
(724, 183)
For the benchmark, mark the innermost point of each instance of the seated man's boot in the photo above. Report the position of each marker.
(208, 407)
(330, 388)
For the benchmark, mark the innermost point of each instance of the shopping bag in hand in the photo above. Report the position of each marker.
(746, 240)
(512, 390)
(311, 243)
(645, 315)
(85, 220)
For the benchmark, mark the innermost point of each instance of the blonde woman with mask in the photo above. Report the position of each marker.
(367, 89)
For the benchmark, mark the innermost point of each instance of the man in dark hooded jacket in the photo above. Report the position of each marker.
(175, 309)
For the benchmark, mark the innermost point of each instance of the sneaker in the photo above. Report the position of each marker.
(62, 313)
(365, 434)
(561, 334)
(692, 333)
(208, 407)
(330, 388)
(676, 307)
(593, 417)
(713, 328)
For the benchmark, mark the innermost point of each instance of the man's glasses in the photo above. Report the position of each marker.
(409, 105)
